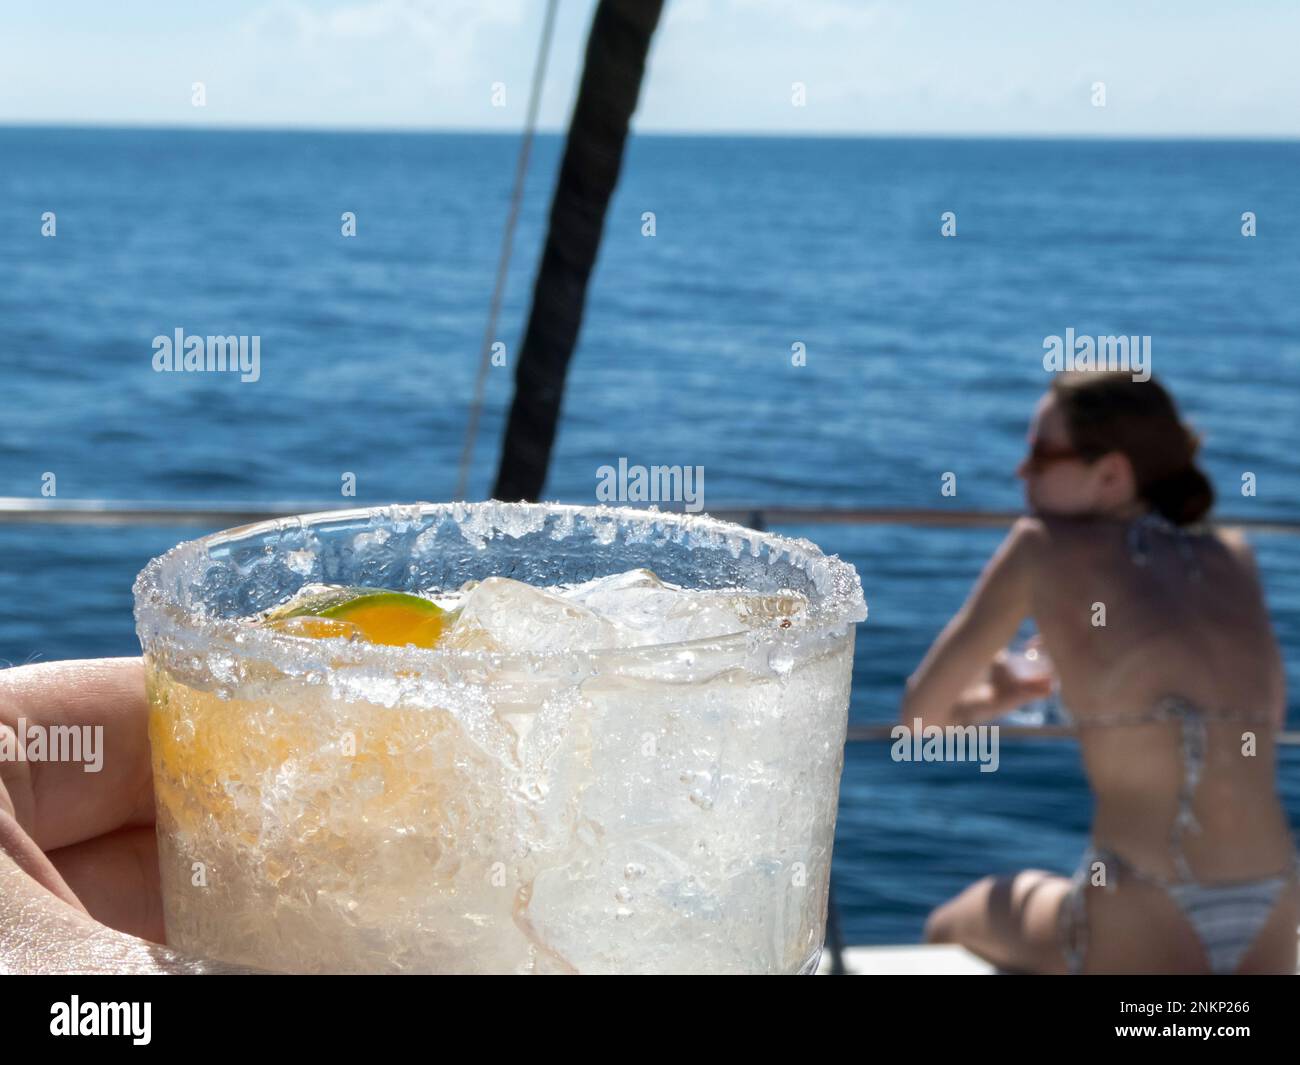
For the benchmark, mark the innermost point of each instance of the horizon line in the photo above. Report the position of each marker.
(736, 134)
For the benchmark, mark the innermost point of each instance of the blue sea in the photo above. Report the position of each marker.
(923, 355)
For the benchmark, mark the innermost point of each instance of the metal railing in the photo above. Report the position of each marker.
(19, 510)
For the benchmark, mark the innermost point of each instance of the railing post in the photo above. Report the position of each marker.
(834, 936)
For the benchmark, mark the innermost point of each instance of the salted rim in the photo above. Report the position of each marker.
(839, 600)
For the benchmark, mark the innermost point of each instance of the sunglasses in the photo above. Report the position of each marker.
(1042, 455)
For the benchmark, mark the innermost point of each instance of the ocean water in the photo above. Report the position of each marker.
(923, 356)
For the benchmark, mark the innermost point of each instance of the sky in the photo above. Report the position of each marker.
(1178, 68)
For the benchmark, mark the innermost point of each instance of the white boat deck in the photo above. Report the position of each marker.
(918, 960)
(912, 960)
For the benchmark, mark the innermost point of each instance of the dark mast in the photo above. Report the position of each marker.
(593, 154)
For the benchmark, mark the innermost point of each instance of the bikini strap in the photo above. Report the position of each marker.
(1193, 750)
(1170, 708)
(1139, 535)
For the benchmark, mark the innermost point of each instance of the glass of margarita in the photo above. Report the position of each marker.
(498, 738)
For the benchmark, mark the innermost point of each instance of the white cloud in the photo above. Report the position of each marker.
(998, 66)
(814, 15)
(430, 21)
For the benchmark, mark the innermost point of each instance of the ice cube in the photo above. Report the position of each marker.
(501, 614)
(634, 600)
(651, 611)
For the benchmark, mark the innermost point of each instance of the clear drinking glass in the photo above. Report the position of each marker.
(1029, 660)
(339, 806)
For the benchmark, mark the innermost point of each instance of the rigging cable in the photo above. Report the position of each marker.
(507, 242)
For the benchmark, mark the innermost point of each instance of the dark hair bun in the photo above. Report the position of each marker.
(1182, 497)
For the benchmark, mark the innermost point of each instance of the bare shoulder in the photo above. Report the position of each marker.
(1029, 527)
(1049, 533)
(1066, 547)
(1029, 549)
(1027, 541)
(1233, 538)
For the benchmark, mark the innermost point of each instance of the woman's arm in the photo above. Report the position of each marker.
(946, 687)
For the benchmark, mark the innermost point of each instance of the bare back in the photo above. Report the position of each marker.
(1124, 634)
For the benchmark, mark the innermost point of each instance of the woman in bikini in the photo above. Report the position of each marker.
(1165, 656)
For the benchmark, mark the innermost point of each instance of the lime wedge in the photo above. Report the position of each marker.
(315, 628)
(393, 618)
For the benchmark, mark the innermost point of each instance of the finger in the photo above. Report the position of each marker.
(22, 852)
(1002, 675)
(116, 878)
(95, 711)
(41, 934)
